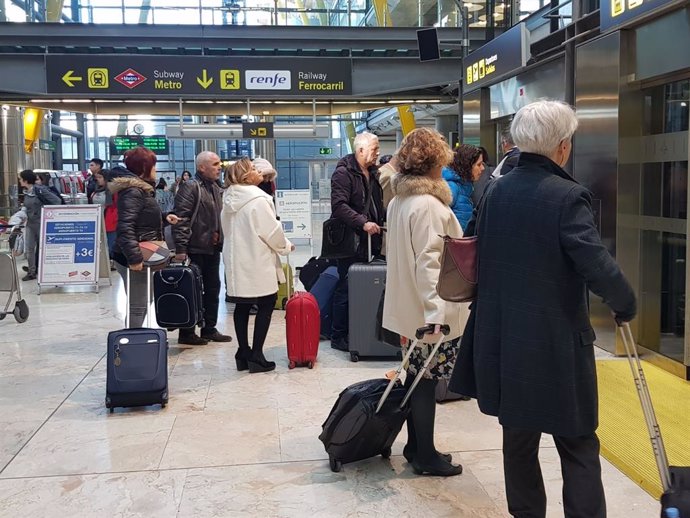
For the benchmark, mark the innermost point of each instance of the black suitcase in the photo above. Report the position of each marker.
(368, 416)
(675, 480)
(137, 364)
(178, 295)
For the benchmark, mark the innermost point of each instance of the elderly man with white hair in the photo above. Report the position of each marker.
(199, 237)
(527, 352)
(356, 200)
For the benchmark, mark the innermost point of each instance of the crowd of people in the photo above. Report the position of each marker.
(523, 348)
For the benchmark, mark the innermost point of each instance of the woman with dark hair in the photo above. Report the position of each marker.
(165, 198)
(466, 168)
(484, 178)
(139, 219)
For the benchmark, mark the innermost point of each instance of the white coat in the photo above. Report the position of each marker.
(253, 240)
(418, 216)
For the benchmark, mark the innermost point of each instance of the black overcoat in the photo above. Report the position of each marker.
(527, 352)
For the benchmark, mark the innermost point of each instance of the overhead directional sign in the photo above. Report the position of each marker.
(257, 130)
(614, 13)
(197, 75)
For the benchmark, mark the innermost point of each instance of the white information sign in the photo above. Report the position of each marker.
(294, 209)
(70, 244)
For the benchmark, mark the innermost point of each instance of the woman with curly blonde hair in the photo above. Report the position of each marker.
(418, 216)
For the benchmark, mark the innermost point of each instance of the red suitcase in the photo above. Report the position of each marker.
(303, 323)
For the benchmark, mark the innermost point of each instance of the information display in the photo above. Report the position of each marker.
(70, 244)
(294, 209)
(121, 143)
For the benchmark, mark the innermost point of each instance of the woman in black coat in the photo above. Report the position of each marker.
(139, 219)
(527, 352)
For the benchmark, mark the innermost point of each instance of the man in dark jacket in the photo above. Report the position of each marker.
(95, 166)
(354, 181)
(527, 352)
(198, 203)
(511, 154)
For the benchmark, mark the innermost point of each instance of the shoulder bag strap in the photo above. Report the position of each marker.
(196, 205)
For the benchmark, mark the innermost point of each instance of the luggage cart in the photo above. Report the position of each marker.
(9, 278)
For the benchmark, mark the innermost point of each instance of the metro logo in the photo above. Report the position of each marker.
(130, 78)
(268, 80)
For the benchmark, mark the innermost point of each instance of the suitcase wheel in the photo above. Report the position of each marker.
(284, 303)
(354, 356)
(386, 454)
(292, 365)
(310, 365)
(112, 410)
(336, 465)
(108, 403)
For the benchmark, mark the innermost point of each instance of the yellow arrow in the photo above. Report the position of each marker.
(69, 79)
(204, 81)
(252, 132)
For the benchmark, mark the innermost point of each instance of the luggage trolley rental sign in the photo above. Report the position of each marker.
(70, 243)
(294, 209)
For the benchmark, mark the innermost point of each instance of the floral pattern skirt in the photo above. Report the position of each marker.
(441, 366)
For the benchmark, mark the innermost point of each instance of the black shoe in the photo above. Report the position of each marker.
(439, 468)
(216, 337)
(258, 363)
(409, 454)
(191, 340)
(241, 359)
(29, 277)
(25, 268)
(340, 344)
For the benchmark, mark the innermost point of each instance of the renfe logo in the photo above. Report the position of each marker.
(268, 80)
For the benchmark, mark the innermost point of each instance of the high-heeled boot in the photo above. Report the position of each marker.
(427, 460)
(242, 358)
(258, 362)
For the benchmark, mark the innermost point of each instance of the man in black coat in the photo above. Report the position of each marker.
(354, 181)
(527, 352)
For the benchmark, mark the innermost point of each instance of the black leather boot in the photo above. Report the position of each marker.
(258, 363)
(242, 358)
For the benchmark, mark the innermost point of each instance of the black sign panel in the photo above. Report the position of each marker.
(620, 12)
(257, 130)
(177, 76)
(121, 143)
(500, 56)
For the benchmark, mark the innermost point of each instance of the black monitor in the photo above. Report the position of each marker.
(427, 39)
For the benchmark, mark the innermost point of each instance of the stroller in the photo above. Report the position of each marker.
(9, 278)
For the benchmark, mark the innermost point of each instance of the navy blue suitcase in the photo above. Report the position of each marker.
(137, 364)
(323, 290)
(178, 295)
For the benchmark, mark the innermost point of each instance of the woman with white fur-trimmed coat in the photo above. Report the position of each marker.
(418, 216)
(254, 239)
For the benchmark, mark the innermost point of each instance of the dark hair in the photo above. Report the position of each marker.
(162, 184)
(183, 173)
(463, 159)
(140, 161)
(385, 159)
(98, 162)
(105, 173)
(507, 138)
(485, 154)
(28, 176)
(44, 177)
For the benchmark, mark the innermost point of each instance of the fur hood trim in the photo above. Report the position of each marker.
(410, 185)
(125, 182)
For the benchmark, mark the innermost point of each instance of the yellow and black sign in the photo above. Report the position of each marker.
(97, 77)
(621, 12)
(258, 130)
(481, 69)
(230, 79)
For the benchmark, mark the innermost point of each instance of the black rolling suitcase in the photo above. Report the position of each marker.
(675, 480)
(137, 363)
(368, 416)
(178, 296)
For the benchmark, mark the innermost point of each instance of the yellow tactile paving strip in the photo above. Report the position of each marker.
(622, 430)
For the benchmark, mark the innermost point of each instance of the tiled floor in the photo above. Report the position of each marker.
(229, 444)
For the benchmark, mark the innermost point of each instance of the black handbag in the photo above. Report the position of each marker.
(339, 240)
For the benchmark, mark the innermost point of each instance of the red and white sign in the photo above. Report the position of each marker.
(130, 78)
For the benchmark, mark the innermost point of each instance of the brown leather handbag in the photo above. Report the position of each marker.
(457, 281)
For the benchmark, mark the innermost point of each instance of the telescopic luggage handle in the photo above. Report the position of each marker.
(419, 334)
(647, 406)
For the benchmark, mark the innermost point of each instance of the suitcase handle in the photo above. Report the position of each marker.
(419, 334)
(148, 298)
(647, 406)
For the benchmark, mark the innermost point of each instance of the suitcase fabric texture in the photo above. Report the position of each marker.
(368, 416)
(178, 295)
(285, 289)
(137, 364)
(323, 290)
(310, 272)
(675, 480)
(302, 329)
(366, 282)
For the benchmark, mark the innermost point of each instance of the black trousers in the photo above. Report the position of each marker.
(583, 492)
(340, 326)
(209, 264)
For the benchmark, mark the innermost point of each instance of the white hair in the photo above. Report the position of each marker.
(364, 140)
(204, 156)
(541, 126)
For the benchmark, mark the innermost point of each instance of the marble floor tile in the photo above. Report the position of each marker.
(13, 436)
(106, 444)
(132, 495)
(223, 439)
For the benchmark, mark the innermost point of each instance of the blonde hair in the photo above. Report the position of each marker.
(237, 173)
(421, 151)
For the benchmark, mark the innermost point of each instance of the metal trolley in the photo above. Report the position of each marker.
(9, 278)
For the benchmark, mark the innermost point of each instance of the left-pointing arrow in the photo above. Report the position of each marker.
(69, 79)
